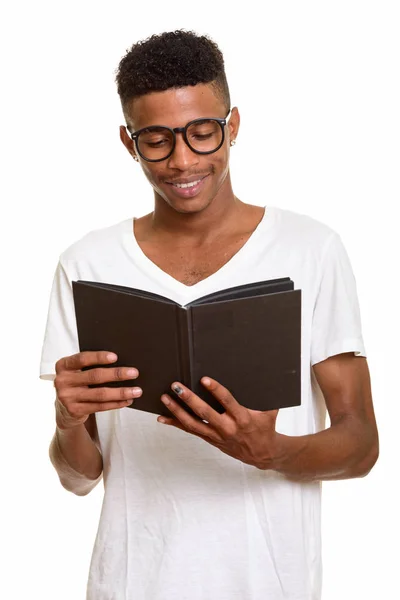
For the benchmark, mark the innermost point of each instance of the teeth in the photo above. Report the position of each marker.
(186, 185)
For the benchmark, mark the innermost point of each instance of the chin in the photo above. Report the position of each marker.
(189, 205)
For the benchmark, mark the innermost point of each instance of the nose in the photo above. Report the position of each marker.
(182, 158)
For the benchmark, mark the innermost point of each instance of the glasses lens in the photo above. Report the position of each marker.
(205, 136)
(155, 143)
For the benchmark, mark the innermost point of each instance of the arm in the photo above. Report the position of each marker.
(349, 447)
(74, 450)
(76, 457)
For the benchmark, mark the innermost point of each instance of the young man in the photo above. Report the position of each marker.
(226, 506)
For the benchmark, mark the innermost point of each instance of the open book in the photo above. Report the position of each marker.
(247, 337)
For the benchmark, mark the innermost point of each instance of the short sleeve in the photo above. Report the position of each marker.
(336, 325)
(61, 338)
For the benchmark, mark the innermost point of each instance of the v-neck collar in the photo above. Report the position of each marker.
(196, 290)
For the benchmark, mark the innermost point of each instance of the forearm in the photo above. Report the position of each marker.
(347, 449)
(76, 459)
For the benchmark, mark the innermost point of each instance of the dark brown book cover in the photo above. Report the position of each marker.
(248, 338)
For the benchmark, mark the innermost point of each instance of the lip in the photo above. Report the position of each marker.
(190, 179)
(191, 191)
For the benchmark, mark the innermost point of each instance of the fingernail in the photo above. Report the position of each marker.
(206, 381)
(111, 356)
(132, 372)
(166, 400)
(136, 391)
(178, 390)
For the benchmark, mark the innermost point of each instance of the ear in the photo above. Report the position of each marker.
(234, 124)
(127, 141)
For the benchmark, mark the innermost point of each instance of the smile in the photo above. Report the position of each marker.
(190, 187)
(186, 185)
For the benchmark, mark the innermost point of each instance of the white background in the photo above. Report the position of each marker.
(317, 85)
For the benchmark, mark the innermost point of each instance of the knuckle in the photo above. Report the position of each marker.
(81, 360)
(203, 415)
(75, 411)
(58, 380)
(62, 397)
(66, 364)
(93, 376)
(61, 390)
(124, 393)
(84, 359)
(101, 394)
(119, 374)
(72, 362)
(187, 422)
(104, 407)
(244, 420)
(225, 396)
(230, 431)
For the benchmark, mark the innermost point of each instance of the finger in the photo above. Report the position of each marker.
(224, 397)
(98, 376)
(198, 406)
(82, 409)
(105, 394)
(175, 423)
(85, 359)
(191, 424)
(103, 406)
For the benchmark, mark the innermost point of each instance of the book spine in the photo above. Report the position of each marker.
(190, 348)
(184, 328)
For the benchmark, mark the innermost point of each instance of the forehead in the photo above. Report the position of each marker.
(175, 107)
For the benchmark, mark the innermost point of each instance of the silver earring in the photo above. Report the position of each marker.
(233, 142)
(136, 158)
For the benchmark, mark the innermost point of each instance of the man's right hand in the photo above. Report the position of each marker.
(76, 400)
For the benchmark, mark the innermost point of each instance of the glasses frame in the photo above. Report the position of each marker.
(183, 131)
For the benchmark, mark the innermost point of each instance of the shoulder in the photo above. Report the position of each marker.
(300, 225)
(303, 231)
(96, 245)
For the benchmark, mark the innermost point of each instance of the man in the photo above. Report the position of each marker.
(226, 506)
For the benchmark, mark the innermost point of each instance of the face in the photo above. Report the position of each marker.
(175, 108)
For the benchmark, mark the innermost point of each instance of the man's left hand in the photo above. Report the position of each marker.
(247, 435)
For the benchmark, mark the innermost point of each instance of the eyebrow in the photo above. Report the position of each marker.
(179, 129)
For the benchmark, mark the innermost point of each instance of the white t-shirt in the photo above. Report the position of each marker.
(180, 519)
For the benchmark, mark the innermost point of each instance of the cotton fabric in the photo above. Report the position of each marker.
(180, 519)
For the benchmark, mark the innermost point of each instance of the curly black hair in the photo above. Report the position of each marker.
(172, 59)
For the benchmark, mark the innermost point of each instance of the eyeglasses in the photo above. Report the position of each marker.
(203, 136)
